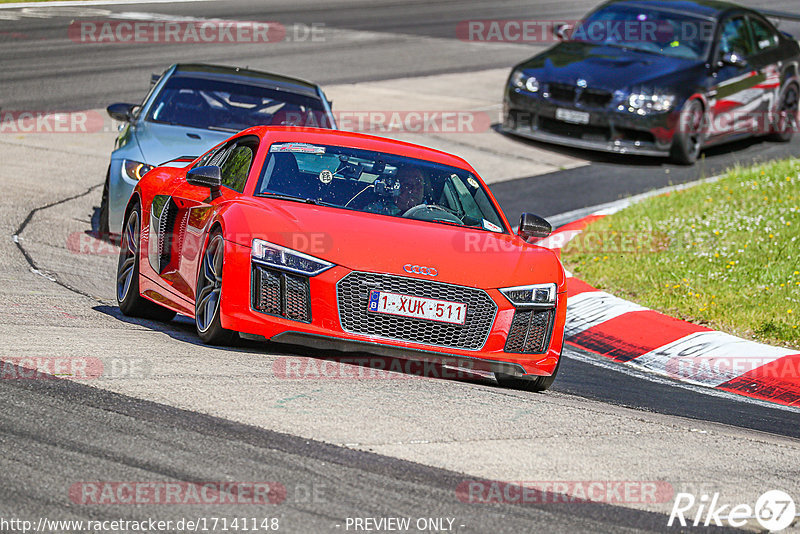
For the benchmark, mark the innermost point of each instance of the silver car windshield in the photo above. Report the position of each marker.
(376, 182)
(217, 105)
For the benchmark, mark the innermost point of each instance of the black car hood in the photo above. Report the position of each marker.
(606, 67)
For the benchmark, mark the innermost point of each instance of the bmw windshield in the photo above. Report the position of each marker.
(645, 29)
(375, 182)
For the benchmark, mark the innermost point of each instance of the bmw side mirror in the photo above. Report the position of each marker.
(206, 176)
(733, 59)
(121, 112)
(531, 225)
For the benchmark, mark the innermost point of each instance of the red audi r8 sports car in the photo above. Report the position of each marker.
(345, 241)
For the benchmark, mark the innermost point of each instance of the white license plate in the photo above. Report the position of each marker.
(417, 307)
(570, 115)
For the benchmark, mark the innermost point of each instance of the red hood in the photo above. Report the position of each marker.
(368, 242)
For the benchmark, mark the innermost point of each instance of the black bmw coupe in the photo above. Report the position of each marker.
(658, 78)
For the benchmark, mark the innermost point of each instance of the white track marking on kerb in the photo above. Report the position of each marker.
(627, 368)
(592, 308)
(710, 358)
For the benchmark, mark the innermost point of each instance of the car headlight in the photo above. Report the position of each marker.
(520, 80)
(287, 259)
(650, 101)
(532, 295)
(135, 169)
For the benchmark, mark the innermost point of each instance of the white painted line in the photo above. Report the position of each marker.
(612, 207)
(81, 3)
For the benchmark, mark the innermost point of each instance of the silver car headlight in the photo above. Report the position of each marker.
(287, 259)
(532, 295)
(135, 170)
(520, 80)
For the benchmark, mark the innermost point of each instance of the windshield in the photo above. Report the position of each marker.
(217, 105)
(648, 30)
(379, 183)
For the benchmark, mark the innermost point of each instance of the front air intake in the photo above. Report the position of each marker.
(530, 331)
(280, 293)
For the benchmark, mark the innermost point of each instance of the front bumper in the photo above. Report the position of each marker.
(120, 188)
(608, 129)
(324, 328)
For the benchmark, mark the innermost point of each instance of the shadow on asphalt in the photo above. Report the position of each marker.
(371, 366)
(596, 156)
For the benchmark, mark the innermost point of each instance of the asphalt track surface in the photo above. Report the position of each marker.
(55, 432)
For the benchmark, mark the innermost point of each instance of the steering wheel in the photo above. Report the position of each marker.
(432, 212)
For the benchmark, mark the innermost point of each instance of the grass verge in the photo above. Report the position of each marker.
(724, 254)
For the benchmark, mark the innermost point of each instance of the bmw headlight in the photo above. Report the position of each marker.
(520, 80)
(650, 101)
(135, 169)
(287, 259)
(532, 295)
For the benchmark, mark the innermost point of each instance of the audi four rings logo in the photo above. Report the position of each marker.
(420, 269)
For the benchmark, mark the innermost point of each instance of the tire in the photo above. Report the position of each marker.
(786, 121)
(688, 140)
(131, 302)
(103, 226)
(207, 314)
(536, 384)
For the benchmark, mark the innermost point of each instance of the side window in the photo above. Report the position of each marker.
(764, 36)
(734, 38)
(237, 166)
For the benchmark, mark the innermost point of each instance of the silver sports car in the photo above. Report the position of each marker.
(191, 108)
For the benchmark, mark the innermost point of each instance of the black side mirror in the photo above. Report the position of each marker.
(121, 112)
(531, 225)
(733, 59)
(206, 176)
(154, 78)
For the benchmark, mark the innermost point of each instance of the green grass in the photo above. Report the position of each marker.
(724, 254)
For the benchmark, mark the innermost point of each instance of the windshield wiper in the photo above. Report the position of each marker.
(304, 200)
(221, 129)
(281, 196)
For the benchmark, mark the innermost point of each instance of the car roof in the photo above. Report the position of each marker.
(322, 136)
(246, 76)
(704, 8)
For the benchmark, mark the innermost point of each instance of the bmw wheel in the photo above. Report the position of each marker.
(688, 139)
(208, 301)
(787, 119)
(130, 301)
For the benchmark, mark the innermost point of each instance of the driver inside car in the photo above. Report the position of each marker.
(411, 191)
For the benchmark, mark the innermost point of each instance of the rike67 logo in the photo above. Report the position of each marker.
(774, 511)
